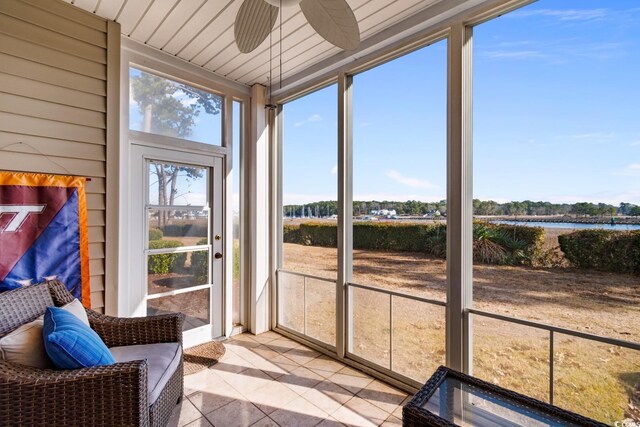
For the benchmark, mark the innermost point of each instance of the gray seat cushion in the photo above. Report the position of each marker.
(162, 361)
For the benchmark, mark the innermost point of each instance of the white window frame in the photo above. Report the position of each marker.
(457, 30)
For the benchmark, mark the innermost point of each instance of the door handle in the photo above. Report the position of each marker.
(217, 255)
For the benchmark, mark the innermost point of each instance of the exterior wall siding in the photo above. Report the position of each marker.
(53, 104)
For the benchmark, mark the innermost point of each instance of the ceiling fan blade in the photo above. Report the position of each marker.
(254, 22)
(334, 21)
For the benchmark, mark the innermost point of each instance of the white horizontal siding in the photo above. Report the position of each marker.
(53, 104)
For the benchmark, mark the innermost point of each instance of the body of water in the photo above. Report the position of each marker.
(572, 225)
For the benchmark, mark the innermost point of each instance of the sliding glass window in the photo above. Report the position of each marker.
(556, 195)
(307, 278)
(397, 291)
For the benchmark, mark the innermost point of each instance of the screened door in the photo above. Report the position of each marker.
(180, 243)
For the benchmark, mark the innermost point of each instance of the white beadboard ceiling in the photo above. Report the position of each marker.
(201, 32)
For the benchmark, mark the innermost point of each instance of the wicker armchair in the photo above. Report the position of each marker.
(113, 395)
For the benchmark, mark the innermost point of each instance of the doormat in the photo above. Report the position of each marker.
(202, 356)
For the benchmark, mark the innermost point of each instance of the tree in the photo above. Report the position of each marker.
(170, 108)
(584, 208)
(167, 179)
(626, 209)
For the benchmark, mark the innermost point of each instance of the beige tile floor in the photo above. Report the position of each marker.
(269, 380)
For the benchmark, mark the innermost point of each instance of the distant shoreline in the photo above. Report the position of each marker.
(563, 219)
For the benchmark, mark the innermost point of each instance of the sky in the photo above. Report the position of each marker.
(555, 114)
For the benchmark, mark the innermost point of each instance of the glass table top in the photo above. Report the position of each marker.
(468, 405)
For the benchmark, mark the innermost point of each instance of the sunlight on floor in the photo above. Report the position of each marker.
(269, 380)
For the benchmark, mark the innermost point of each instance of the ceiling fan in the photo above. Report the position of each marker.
(332, 19)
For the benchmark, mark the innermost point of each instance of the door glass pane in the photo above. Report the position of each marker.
(166, 107)
(177, 185)
(189, 227)
(171, 271)
(195, 306)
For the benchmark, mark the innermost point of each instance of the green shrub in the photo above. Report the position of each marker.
(155, 234)
(199, 264)
(291, 233)
(493, 243)
(165, 263)
(319, 234)
(604, 250)
(185, 230)
(408, 237)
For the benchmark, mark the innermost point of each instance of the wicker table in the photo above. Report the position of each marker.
(450, 398)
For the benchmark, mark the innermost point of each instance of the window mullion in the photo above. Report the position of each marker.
(459, 200)
(345, 211)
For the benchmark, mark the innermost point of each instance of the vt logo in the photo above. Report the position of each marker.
(20, 214)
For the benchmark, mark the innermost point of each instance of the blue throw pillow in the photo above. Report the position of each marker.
(70, 343)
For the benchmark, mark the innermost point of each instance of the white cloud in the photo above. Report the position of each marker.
(409, 181)
(558, 52)
(632, 169)
(563, 15)
(311, 119)
(593, 135)
(512, 54)
(596, 51)
(334, 170)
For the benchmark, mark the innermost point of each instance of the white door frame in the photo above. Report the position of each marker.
(137, 289)
(135, 54)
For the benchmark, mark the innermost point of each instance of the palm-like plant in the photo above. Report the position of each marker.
(493, 246)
